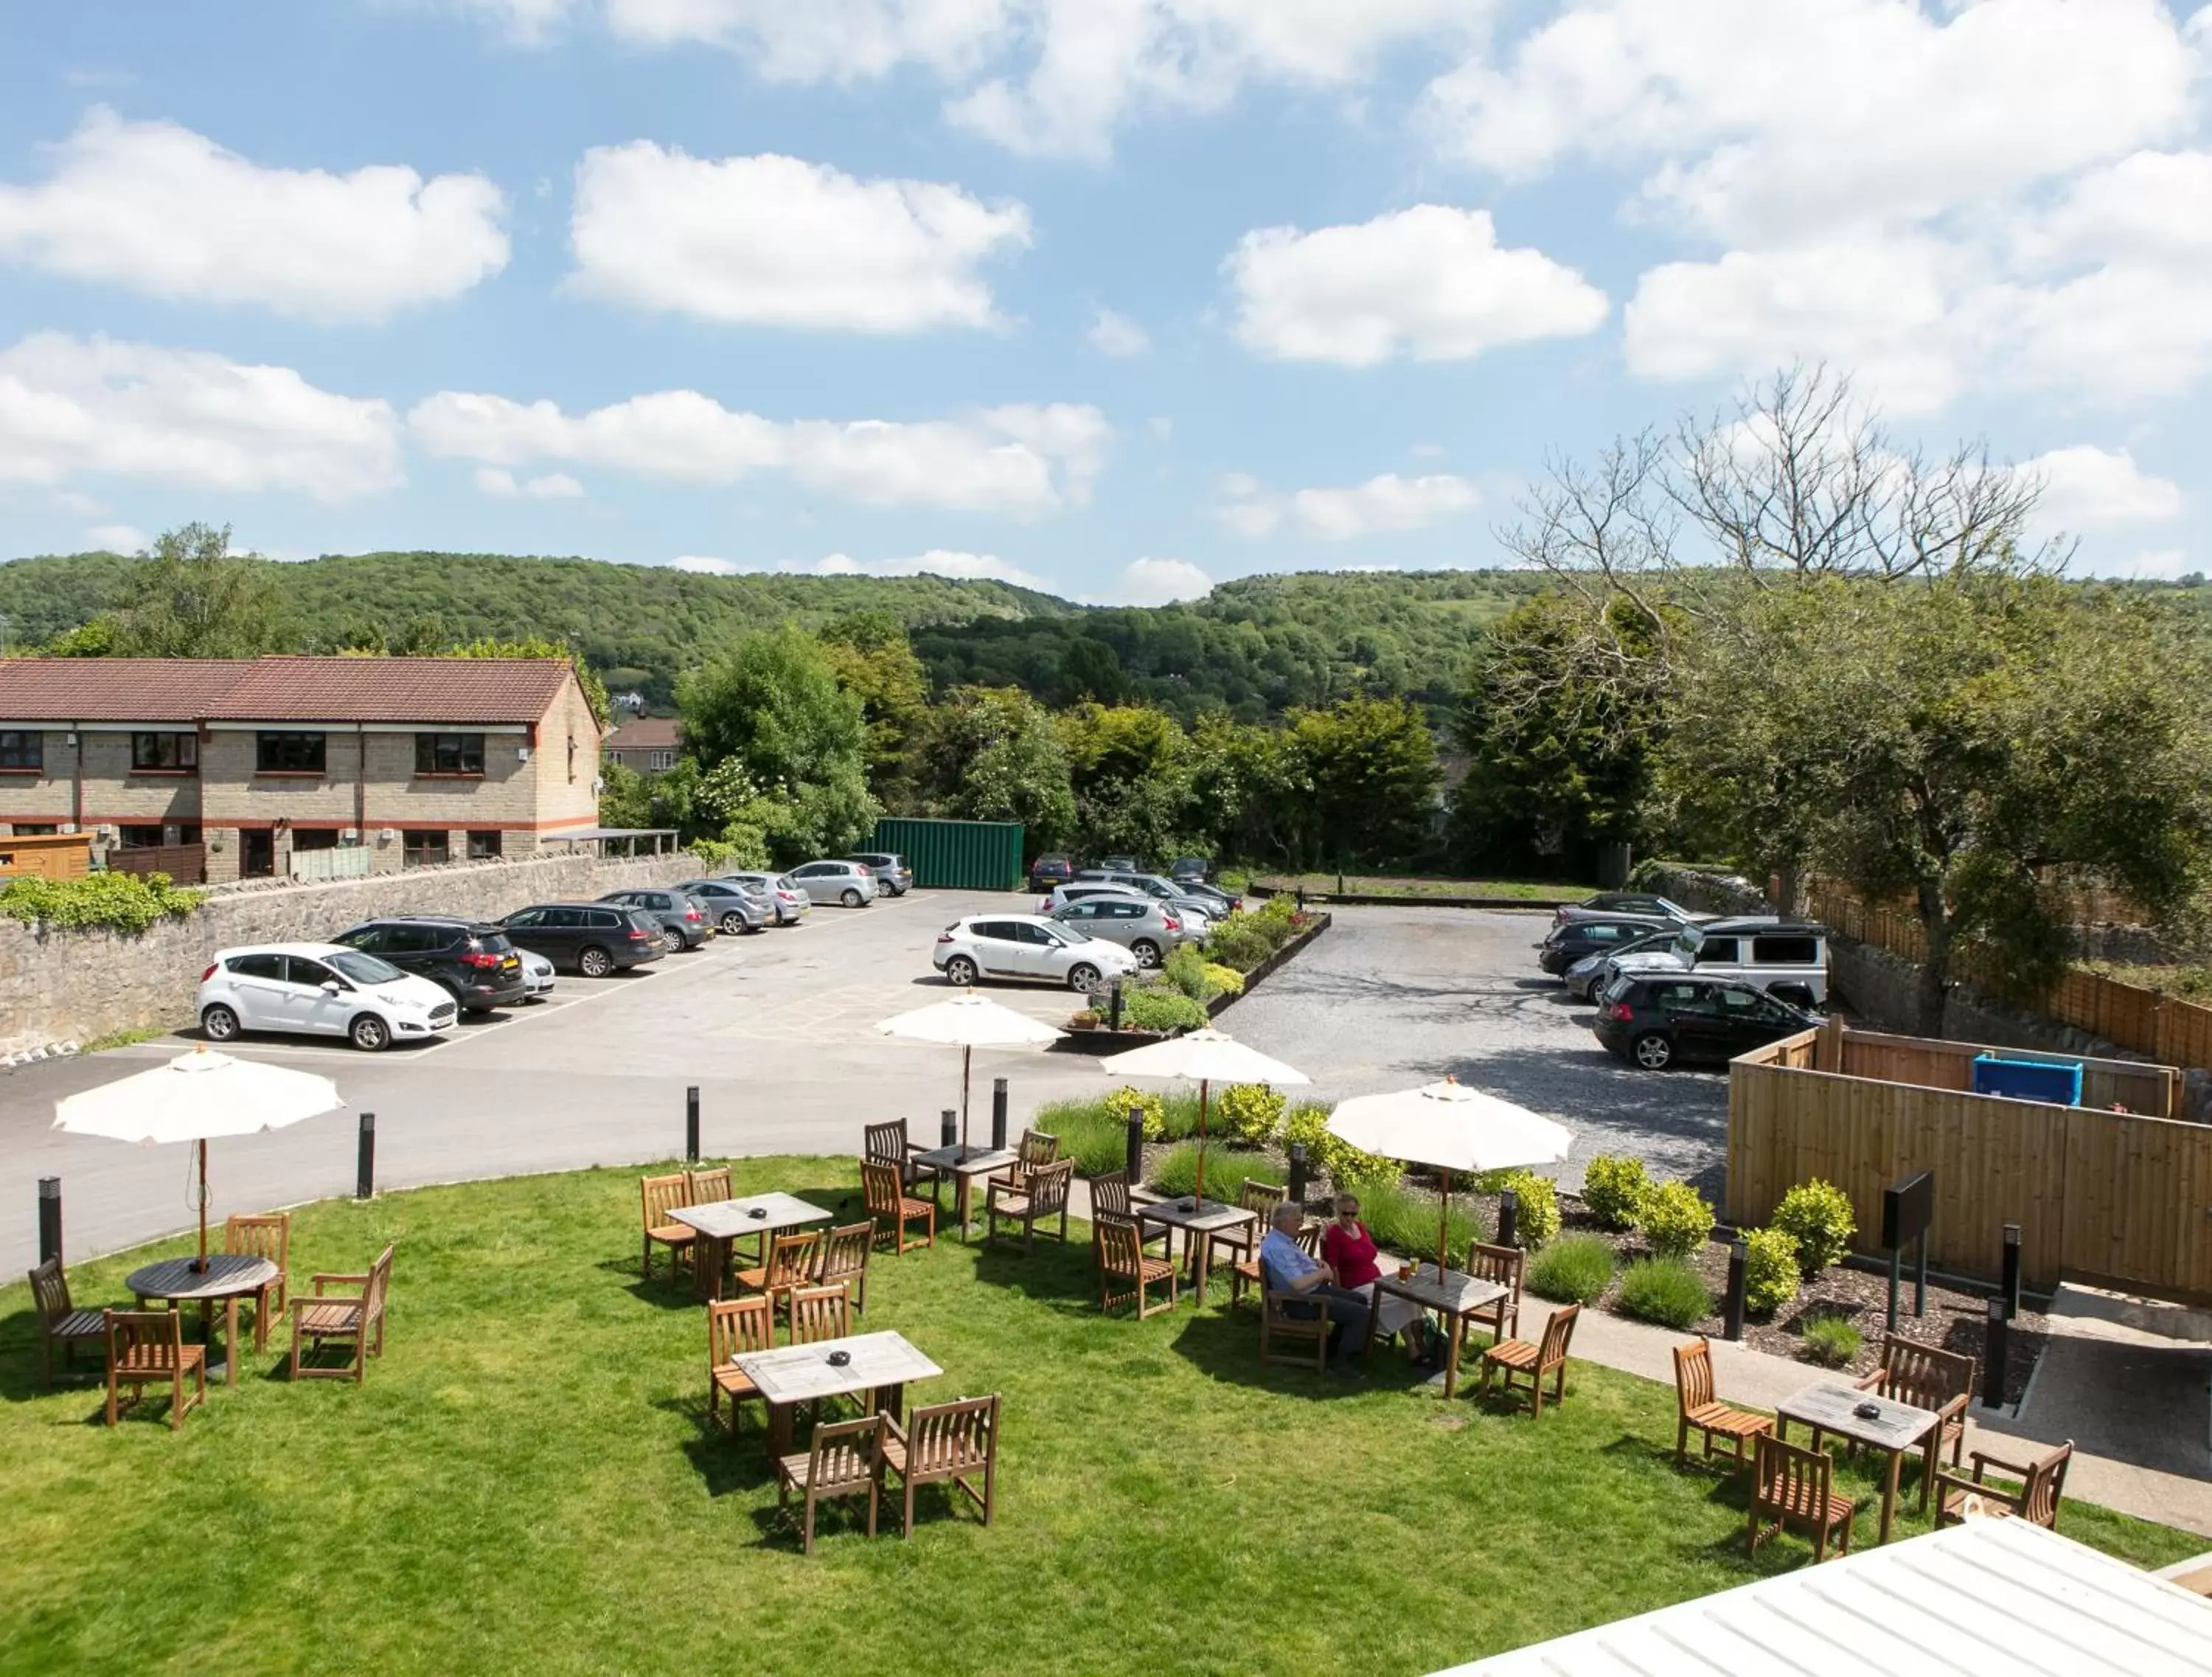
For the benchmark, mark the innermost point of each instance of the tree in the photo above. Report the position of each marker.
(871, 658)
(1970, 742)
(1132, 782)
(535, 646)
(993, 754)
(1371, 766)
(191, 597)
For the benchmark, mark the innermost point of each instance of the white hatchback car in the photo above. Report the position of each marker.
(1026, 946)
(318, 990)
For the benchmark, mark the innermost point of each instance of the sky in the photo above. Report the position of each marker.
(1116, 298)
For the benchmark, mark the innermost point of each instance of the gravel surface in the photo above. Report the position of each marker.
(1392, 998)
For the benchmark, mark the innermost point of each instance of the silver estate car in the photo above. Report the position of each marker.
(852, 883)
(1148, 930)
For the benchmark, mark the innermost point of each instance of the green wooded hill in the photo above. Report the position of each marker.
(1257, 646)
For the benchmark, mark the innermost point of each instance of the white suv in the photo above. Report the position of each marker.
(318, 990)
(1026, 946)
(1788, 959)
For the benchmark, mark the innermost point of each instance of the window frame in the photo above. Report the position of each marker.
(185, 747)
(412, 854)
(27, 756)
(265, 739)
(487, 846)
(446, 755)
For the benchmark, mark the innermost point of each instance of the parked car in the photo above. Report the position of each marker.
(1046, 872)
(1197, 924)
(849, 883)
(595, 938)
(537, 973)
(1626, 902)
(1148, 930)
(1596, 970)
(320, 990)
(1656, 1021)
(1571, 940)
(1212, 895)
(1788, 959)
(891, 872)
(1028, 947)
(1164, 891)
(778, 893)
(1191, 870)
(732, 907)
(472, 961)
(1120, 864)
(683, 921)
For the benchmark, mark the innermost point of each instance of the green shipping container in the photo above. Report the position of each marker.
(956, 855)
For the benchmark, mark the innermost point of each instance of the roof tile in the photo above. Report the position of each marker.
(279, 690)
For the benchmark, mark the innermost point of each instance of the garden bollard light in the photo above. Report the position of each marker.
(364, 1171)
(999, 1113)
(1135, 1158)
(2011, 1289)
(691, 1123)
(50, 1218)
(1732, 1316)
(1298, 1184)
(948, 1128)
(1509, 1212)
(1993, 1355)
(1114, 1006)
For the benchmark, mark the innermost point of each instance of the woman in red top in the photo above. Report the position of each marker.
(1349, 1249)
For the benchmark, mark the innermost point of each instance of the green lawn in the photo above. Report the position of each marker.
(525, 1483)
(1521, 890)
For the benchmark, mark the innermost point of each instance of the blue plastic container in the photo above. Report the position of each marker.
(2060, 1084)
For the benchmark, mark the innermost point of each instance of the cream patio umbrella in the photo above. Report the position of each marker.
(1451, 1127)
(1208, 1056)
(968, 1022)
(197, 1098)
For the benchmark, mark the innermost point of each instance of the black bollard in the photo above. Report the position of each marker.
(50, 1219)
(1302, 899)
(1297, 1188)
(1133, 1159)
(2011, 1291)
(1732, 1310)
(1509, 1210)
(998, 1112)
(948, 1128)
(1993, 1355)
(1114, 1006)
(364, 1167)
(691, 1123)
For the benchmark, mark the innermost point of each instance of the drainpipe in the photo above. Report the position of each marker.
(361, 786)
(77, 779)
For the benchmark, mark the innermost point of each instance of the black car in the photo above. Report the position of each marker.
(1655, 1022)
(1046, 872)
(594, 938)
(1191, 870)
(475, 961)
(1647, 904)
(733, 908)
(1571, 940)
(682, 918)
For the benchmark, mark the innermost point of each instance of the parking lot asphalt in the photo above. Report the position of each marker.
(778, 1031)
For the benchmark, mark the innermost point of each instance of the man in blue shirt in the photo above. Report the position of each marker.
(1285, 1267)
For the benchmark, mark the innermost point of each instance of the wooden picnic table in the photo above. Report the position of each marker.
(721, 1222)
(1829, 1406)
(964, 1165)
(1201, 1225)
(1451, 1295)
(230, 1277)
(883, 1364)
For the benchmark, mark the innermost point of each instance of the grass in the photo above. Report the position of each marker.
(1830, 1340)
(1573, 1270)
(2190, 983)
(1666, 1291)
(525, 1483)
(1175, 1173)
(1526, 890)
(1403, 1221)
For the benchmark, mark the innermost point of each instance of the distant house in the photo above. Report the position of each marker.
(650, 745)
(239, 766)
(632, 700)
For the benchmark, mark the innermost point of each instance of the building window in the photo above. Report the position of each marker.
(36, 828)
(151, 837)
(314, 838)
(660, 760)
(423, 846)
(484, 845)
(22, 748)
(288, 753)
(449, 754)
(165, 753)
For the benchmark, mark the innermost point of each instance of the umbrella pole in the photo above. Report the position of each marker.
(1201, 1188)
(967, 1055)
(201, 1265)
(1443, 1215)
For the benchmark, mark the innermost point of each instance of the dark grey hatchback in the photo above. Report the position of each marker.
(472, 960)
(594, 938)
(1655, 1022)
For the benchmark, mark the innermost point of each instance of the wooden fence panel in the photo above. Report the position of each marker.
(2139, 1204)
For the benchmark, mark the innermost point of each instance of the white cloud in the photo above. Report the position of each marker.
(72, 406)
(1382, 505)
(825, 40)
(1113, 334)
(938, 561)
(1161, 582)
(1430, 283)
(496, 482)
(783, 242)
(2159, 565)
(700, 564)
(500, 483)
(1021, 460)
(117, 538)
(2087, 489)
(161, 209)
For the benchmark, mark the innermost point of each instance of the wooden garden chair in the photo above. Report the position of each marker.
(660, 1195)
(1033, 1152)
(844, 1460)
(2042, 1482)
(1261, 1198)
(1125, 1269)
(887, 1143)
(144, 1346)
(60, 1322)
(1505, 1265)
(270, 1237)
(791, 1264)
(819, 1314)
(1029, 1200)
(887, 1204)
(707, 1188)
(1790, 1482)
(358, 1321)
(1110, 1197)
(1927, 1378)
(946, 1444)
(735, 1327)
(1695, 1406)
(844, 1258)
(1294, 1327)
(1547, 1360)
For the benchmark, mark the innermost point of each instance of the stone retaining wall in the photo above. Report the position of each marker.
(62, 984)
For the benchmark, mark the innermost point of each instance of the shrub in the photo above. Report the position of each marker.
(1403, 1221)
(1156, 1008)
(126, 901)
(1832, 1341)
(1224, 980)
(1538, 1220)
(1344, 1164)
(1185, 969)
(1769, 1271)
(1095, 1137)
(1175, 1172)
(1675, 1219)
(1614, 1189)
(1251, 1112)
(1119, 1105)
(1574, 1271)
(1817, 1215)
(1666, 1291)
(1242, 941)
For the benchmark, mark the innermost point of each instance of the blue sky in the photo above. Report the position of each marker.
(1114, 296)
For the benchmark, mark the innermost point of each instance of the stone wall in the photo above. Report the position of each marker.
(77, 984)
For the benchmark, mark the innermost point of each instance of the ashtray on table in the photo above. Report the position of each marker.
(1868, 1412)
(838, 1359)
(757, 1210)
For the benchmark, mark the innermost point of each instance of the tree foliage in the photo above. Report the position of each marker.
(1370, 773)
(191, 597)
(993, 754)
